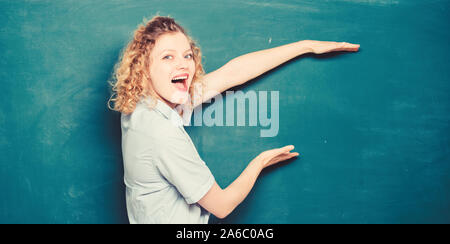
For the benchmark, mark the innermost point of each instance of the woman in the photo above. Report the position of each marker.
(159, 79)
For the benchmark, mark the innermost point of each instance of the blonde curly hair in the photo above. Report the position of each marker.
(131, 77)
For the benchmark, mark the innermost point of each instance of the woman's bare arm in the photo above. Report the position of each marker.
(222, 202)
(248, 66)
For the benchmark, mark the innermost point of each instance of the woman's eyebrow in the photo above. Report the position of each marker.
(173, 50)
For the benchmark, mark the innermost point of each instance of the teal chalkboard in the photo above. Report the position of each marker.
(372, 127)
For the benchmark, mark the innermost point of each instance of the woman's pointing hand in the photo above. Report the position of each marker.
(319, 47)
(276, 155)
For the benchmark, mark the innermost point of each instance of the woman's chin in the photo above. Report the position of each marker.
(179, 97)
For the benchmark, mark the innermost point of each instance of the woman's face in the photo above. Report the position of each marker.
(172, 68)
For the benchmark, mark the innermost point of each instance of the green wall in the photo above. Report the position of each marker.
(372, 127)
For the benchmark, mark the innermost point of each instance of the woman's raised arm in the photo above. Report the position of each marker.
(248, 66)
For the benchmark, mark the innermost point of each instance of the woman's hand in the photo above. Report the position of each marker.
(319, 47)
(276, 155)
(222, 202)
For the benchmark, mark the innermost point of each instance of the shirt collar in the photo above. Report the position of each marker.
(169, 113)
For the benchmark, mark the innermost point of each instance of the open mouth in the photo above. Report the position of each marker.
(180, 82)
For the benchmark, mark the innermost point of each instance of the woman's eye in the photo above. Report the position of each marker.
(189, 56)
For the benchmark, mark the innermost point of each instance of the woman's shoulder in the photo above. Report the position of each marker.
(141, 117)
(147, 119)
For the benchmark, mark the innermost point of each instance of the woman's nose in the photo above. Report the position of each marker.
(181, 63)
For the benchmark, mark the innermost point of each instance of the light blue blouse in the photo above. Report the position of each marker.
(163, 172)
